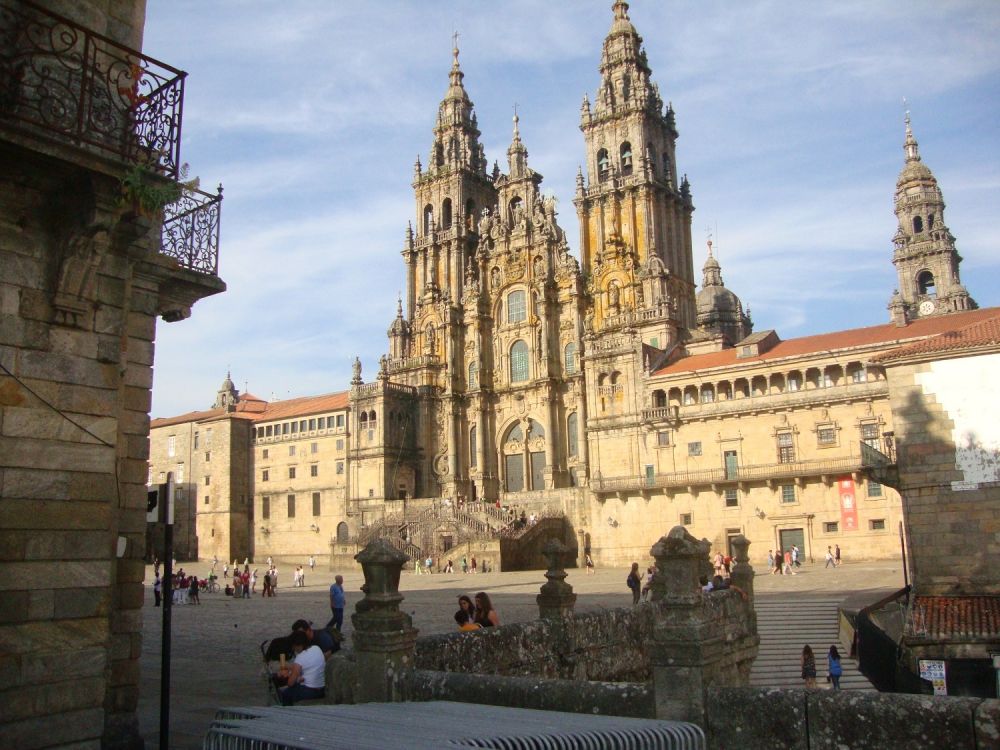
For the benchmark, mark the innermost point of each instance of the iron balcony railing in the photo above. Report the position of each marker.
(191, 230)
(732, 475)
(85, 89)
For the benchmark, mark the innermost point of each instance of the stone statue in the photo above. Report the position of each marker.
(356, 372)
(614, 297)
(495, 278)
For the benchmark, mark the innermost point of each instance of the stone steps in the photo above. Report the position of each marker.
(785, 624)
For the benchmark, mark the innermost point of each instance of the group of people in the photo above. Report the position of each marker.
(183, 588)
(784, 562)
(833, 667)
(832, 557)
(473, 615)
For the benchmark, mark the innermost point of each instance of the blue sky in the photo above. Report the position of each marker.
(791, 128)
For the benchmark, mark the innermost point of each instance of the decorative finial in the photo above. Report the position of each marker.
(620, 9)
(399, 304)
(909, 143)
(517, 134)
(709, 231)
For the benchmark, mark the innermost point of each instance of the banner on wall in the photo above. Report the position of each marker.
(848, 506)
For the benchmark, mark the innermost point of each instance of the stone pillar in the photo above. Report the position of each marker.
(743, 573)
(556, 600)
(383, 636)
(685, 645)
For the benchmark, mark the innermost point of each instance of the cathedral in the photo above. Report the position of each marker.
(598, 387)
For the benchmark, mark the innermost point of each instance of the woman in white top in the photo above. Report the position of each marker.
(306, 675)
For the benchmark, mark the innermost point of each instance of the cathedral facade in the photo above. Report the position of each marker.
(603, 386)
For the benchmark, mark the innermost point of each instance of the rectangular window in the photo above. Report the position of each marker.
(340, 420)
(340, 444)
(291, 450)
(663, 438)
(265, 507)
(870, 435)
(694, 449)
(316, 507)
(291, 472)
(291, 506)
(264, 453)
(196, 441)
(794, 383)
(859, 376)
(208, 480)
(303, 425)
(206, 499)
(707, 396)
(732, 498)
(831, 527)
(685, 519)
(340, 467)
(786, 448)
(877, 524)
(688, 398)
(208, 456)
(827, 380)
(788, 493)
(284, 428)
(314, 470)
(874, 489)
(208, 438)
(312, 424)
(265, 475)
(179, 475)
(314, 447)
(268, 430)
(171, 446)
(826, 435)
(295, 427)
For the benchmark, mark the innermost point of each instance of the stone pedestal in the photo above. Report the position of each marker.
(383, 636)
(556, 600)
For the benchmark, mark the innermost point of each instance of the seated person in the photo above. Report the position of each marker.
(321, 638)
(306, 676)
(464, 623)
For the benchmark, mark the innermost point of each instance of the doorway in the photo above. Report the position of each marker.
(732, 464)
(788, 537)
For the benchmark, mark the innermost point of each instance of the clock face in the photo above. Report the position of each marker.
(926, 307)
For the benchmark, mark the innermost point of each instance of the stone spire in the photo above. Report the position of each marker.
(925, 256)
(227, 395)
(456, 134)
(517, 154)
(625, 73)
(720, 311)
(711, 271)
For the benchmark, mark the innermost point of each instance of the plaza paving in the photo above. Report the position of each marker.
(216, 659)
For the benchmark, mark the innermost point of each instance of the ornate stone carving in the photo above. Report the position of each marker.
(76, 287)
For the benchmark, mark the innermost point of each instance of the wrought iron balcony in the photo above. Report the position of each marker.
(82, 88)
(64, 83)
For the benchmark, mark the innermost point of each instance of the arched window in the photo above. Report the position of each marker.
(516, 310)
(650, 159)
(603, 164)
(925, 283)
(428, 218)
(438, 155)
(519, 362)
(930, 222)
(569, 357)
(371, 417)
(472, 447)
(473, 375)
(626, 158)
(363, 419)
(446, 213)
(571, 431)
(918, 225)
(343, 535)
(659, 399)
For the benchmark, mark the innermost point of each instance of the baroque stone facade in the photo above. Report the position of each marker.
(602, 386)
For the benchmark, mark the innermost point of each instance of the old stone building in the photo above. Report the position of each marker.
(96, 242)
(602, 387)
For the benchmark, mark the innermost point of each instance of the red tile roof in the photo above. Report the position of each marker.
(247, 407)
(984, 333)
(852, 338)
(297, 407)
(950, 617)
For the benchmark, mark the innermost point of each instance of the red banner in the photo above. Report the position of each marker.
(848, 506)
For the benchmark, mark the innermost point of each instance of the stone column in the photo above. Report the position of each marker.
(743, 573)
(556, 600)
(383, 636)
(685, 645)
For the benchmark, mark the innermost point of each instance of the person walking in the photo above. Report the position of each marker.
(634, 582)
(836, 555)
(312, 563)
(157, 590)
(833, 667)
(590, 564)
(473, 563)
(788, 564)
(225, 571)
(808, 666)
(829, 559)
(253, 581)
(338, 600)
(779, 557)
(245, 577)
(266, 591)
(795, 556)
(770, 560)
(193, 591)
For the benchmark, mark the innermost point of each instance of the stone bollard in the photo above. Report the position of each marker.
(742, 575)
(383, 636)
(556, 600)
(679, 564)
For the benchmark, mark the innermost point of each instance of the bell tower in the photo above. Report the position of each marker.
(925, 256)
(635, 216)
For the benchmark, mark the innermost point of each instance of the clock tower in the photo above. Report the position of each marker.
(925, 256)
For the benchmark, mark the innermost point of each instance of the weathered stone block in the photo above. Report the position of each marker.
(874, 720)
(13, 606)
(52, 514)
(987, 725)
(87, 602)
(44, 667)
(55, 575)
(70, 369)
(41, 604)
(66, 545)
(53, 635)
(31, 453)
(48, 730)
(756, 718)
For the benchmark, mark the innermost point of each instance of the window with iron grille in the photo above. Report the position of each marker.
(685, 519)
(786, 448)
(732, 498)
(874, 489)
(830, 527)
(826, 435)
(265, 475)
(314, 470)
(877, 524)
(516, 307)
(663, 438)
(788, 493)
(694, 449)
(519, 362)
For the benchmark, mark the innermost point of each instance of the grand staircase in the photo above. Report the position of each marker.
(787, 622)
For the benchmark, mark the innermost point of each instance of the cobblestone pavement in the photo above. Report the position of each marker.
(215, 647)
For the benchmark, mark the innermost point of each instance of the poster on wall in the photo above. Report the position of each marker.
(933, 670)
(848, 506)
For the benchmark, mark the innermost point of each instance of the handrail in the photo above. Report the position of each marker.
(191, 230)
